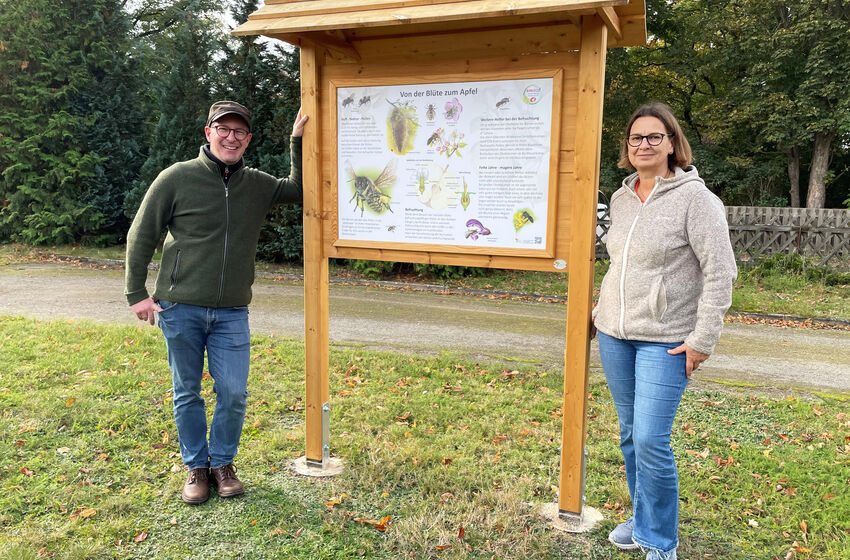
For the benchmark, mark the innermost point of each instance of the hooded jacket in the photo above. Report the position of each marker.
(212, 230)
(672, 265)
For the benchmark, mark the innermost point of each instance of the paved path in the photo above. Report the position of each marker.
(425, 323)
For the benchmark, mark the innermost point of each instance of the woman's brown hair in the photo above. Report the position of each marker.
(681, 156)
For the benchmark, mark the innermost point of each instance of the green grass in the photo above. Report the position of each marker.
(90, 468)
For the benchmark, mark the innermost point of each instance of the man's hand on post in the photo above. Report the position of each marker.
(298, 125)
(145, 310)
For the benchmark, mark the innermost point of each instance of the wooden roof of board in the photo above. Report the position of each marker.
(339, 24)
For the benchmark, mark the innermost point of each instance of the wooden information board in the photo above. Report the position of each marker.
(458, 132)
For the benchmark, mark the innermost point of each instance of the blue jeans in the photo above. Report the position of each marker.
(647, 384)
(223, 333)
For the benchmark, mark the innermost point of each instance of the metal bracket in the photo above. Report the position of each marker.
(326, 434)
(326, 437)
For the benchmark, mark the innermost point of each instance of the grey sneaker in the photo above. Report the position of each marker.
(621, 536)
(655, 554)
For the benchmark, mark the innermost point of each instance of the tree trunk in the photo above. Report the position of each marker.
(793, 155)
(820, 164)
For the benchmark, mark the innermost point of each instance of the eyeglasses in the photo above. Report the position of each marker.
(224, 132)
(654, 139)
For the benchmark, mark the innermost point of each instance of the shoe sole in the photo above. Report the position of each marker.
(194, 501)
(621, 546)
(231, 494)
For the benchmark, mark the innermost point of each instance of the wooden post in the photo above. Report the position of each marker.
(315, 266)
(591, 83)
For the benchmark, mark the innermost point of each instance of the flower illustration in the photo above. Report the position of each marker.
(453, 109)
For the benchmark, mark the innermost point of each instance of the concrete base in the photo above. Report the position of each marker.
(300, 466)
(571, 523)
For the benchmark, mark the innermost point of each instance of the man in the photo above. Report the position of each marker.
(212, 208)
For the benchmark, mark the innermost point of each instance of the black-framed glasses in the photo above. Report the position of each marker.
(224, 132)
(654, 139)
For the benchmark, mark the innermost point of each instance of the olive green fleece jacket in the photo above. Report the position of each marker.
(212, 231)
(672, 265)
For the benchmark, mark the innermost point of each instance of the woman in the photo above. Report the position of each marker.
(660, 312)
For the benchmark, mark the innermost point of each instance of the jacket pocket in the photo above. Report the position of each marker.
(174, 271)
(658, 299)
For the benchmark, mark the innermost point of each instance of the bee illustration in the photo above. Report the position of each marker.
(521, 218)
(364, 100)
(504, 101)
(391, 229)
(402, 126)
(434, 137)
(430, 112)
(348, 100)
(367, 192)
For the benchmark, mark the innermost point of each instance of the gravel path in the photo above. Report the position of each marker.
(763, 356)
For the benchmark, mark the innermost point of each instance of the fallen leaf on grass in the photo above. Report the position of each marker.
(84, 513)
(795, 547)
(380, 526)
(26, 471)
(70, 401)
(140, 536)
(460, 533)
(443, 546)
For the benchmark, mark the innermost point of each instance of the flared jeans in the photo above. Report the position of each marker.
(647, 385)
(224, 335)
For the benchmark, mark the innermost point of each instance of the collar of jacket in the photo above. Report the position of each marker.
(679, 178)
(226, 172)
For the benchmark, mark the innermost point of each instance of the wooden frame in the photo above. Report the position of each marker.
(561, 67)
(352, 43)
(352, 247)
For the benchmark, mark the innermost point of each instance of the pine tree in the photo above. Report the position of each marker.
(177, 68)
(68, 119)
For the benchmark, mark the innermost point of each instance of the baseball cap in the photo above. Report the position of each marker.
(221, 108)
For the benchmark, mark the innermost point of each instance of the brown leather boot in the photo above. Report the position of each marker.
(197, 487)
(225, 480)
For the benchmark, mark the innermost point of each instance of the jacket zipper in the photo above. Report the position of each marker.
(226, 231)
(174, 271)
(621, 328)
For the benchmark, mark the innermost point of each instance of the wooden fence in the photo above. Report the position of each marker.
(758, 232)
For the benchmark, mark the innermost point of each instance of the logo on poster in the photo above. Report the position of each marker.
(531, 94)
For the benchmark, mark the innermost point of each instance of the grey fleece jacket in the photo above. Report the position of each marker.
(672, 265)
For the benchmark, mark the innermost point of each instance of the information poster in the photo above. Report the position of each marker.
(449, 164)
